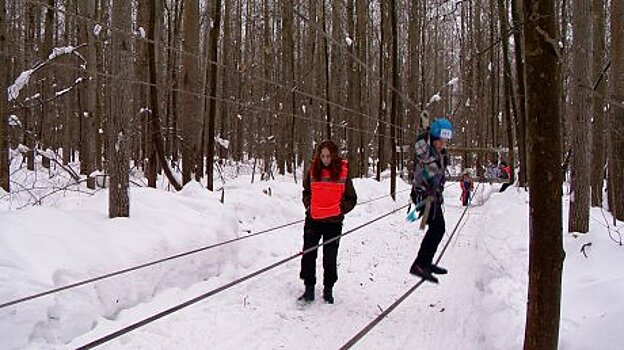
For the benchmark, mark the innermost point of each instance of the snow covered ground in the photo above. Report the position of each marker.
(479, 305)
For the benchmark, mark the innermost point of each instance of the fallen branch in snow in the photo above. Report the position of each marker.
(69, 170)
(25, 189)
(67, 188)
(583, 248)
(619, 240)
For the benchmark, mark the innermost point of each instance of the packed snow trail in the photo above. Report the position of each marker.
(480, 304)
(373, 272)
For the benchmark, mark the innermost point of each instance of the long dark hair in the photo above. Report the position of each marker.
(336, 161)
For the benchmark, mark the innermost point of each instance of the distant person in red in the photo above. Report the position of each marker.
(505, 173)
(467, 187)
(328, 194)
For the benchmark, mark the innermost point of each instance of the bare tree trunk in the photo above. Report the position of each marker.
(381, 126)
(414, 62)
(189, 121)
(157, 150)
(598, 151)
(545, 248)
(212, 93)
(4, 135)
(224, 111)
(89, 91)
(508, 88)
(616, 155)
(173, 118)
(328, 107)
(118, 124)
(338, 68)
(32, 31)
(148, 156)
(581, 102)
(352, 88)
(362, 95)
(395, 104)
(288, 68)
(516, 9)
(562, 16)
(45, 121)
(240, 126)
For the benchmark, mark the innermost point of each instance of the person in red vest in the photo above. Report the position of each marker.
(328, 194)
(505, 173)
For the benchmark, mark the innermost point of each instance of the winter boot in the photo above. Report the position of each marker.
(437, 270)
(327, 295)
(424, 273)
(308, 295)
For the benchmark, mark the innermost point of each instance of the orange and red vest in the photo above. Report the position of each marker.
(327, 193)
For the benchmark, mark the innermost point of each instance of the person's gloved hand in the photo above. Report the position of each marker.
(417, 212)
(412, 216)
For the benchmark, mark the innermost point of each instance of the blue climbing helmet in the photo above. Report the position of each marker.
(441, 129)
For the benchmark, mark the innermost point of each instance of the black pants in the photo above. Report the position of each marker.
(465, 198)
(312, 233)
(504, 186)
(433, 237)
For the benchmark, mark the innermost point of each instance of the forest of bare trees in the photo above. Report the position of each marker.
(174, 88)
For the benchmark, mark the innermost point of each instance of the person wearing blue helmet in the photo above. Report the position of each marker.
(429, 178)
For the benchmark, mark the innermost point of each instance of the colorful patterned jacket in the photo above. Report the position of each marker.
(429, 171)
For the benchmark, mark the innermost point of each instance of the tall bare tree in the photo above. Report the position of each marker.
(395, 103)
(211, 80)
(581, 108)
(4, 70)
(545, 247)
(44, 129)
(508, 87)
(383, 63)
(119, 121)
(288, 71)
(362, 92)
(598, 152)
(158, 151)
(146, 156)
(518, 30)
(189, 121)
(88, 92)
(326, 63)
(352, 87)
(616, 149)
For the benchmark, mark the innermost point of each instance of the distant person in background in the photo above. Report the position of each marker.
(505, 174)
(491, 170)
(467, 187)
(328, 194)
